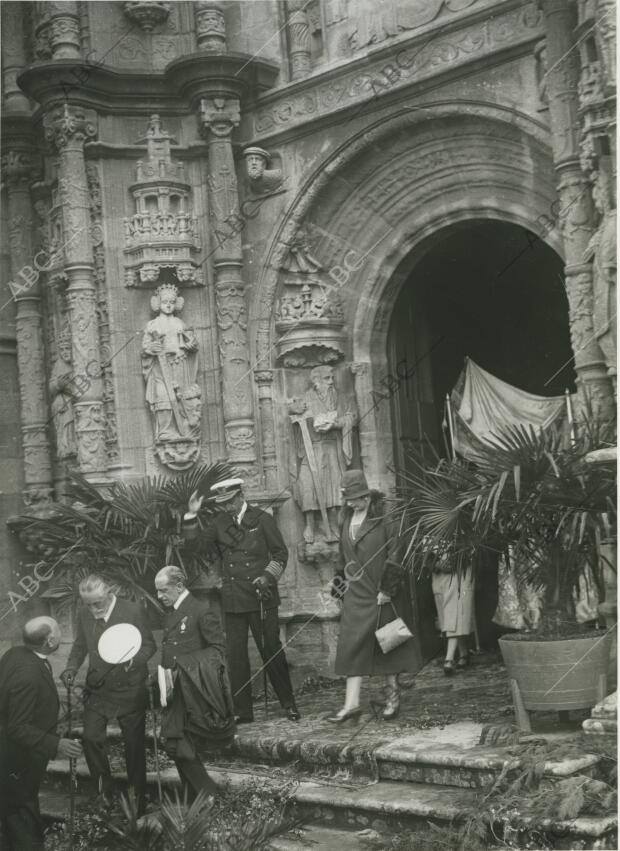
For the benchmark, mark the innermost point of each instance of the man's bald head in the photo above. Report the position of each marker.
(41, 634)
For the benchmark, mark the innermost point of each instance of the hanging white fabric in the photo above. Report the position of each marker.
(485, 406)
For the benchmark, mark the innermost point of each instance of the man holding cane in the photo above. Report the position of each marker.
(253, 556)
(29, 707)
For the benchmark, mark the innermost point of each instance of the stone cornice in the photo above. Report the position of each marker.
(102, 88)
(440, 52)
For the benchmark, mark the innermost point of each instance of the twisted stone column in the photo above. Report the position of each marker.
(68, 129)
(219, 115)
(575, 208)
(17, 175)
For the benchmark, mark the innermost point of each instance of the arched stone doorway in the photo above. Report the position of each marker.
(491, 291)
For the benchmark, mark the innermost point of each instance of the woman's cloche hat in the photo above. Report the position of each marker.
(354, 484)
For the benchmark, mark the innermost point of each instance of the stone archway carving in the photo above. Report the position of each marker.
(383, 193)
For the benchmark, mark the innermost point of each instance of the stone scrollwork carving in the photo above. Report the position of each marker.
(163, 232)
(309, 313)
(169, 363)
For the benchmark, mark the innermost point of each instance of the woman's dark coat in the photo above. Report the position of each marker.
(372, 564)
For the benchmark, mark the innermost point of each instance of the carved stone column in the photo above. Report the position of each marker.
(16, 172)
(300, 42)
(64, 29)
(68, 129)
(264, 382)
(210, 26)
(13, 58)
(219, 115)
(575, 209)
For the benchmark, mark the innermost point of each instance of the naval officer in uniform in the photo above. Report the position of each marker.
(253, 557)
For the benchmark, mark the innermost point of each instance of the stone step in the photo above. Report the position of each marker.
(448, 756)
(385, 806)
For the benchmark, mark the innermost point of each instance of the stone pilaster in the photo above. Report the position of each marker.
(68, 129)
(17, 175)
(210, 26)
(219, 115)
(575, 208)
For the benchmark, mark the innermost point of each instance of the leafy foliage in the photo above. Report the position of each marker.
(531, 491)
(127, 534)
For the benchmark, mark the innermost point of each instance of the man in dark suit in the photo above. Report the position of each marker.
(253, 556)
(114, 691)
(191, 626)
(28, 740)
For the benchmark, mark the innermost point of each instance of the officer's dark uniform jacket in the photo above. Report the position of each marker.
(245, 553)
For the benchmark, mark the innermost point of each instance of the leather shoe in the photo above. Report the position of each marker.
(244, 719)
(292, 713)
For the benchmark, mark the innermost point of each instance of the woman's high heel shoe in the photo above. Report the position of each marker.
(448, 667)
(392, 703)
(349, 715)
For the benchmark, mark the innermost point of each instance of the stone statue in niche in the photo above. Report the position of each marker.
(170, 366)
(62, 391)
(602, 252)
(323, 422)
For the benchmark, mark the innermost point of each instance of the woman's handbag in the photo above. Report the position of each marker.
(393, 634)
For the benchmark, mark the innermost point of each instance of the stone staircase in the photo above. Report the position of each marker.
(354, 783)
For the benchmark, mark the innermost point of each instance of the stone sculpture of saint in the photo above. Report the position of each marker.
(62, 390)
(169, 363)
(323, 423)
(602, 252)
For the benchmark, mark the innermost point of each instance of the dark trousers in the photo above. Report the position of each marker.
(272, 654)
(21, 773)
(194, 778)
(23, 830)
(94, 740)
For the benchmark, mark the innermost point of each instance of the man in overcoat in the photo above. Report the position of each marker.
(113, 691)
(253, 557)
(28, 740)
(198, 710)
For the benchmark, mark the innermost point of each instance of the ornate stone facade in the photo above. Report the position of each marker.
(297, 157)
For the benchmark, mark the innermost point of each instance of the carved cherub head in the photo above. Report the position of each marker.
(167, 300)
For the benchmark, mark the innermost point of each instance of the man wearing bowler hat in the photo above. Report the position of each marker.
(253, 557)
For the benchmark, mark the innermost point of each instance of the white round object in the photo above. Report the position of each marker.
(119, 643)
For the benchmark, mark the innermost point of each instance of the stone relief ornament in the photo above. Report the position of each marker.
(170, 366)
(148, 14)
(163, 232)
(323, 421)
(309, 313)
(262, 178)
(210, 26)
(62, 391)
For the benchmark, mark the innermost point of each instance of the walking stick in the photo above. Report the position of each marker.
(72, 769)
(263, 653)
(155, 746)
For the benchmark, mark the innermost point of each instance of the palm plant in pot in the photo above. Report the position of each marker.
(532, 498)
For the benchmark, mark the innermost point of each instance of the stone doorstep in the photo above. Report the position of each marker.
(448, 756)
(384, 806)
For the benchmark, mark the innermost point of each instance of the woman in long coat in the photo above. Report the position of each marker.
(372, 594)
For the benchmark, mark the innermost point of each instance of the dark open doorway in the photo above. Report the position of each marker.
(484, 289)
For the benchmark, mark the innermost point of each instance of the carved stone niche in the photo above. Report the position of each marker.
(162, 234)
(309, 314)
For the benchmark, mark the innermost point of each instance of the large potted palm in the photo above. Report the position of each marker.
(534, 495)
